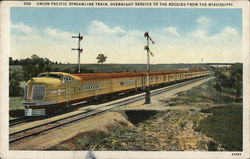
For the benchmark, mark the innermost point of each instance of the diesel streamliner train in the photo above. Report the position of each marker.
(52, 91)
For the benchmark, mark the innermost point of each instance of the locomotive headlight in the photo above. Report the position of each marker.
(38, 93)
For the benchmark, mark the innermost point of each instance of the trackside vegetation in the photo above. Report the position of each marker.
(224, 96)
(225, 123)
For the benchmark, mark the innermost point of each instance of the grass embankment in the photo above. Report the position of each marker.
(143, 136)
(225, 126)
(224, 121)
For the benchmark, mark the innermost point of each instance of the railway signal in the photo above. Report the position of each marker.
(147, 91)
(79, 49)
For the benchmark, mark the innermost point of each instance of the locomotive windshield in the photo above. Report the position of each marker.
(50, 75)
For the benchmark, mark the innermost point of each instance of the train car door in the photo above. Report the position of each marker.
(67, 93)
(135, 79)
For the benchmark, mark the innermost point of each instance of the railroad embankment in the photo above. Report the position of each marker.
(197, 119)
(94, 126)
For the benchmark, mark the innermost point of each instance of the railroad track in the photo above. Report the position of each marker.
(23, 120)
(17, 121)
(36, 130)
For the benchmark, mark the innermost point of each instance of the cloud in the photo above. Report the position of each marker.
(57, 33)
(22, 28)
(200, 34)
(98, 28)
(118, 44)
(172, 31)
(204, 22)
(202, 28)
(227, 33)
(51, 43)
(204, 31)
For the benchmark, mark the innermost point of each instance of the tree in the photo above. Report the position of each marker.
(35, 57)
(14, 88)
(15, 62)
(101, 58)
(236, 78)
(10, 61)
(36, 65)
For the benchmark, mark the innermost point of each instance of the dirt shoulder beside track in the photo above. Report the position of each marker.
(172, 128)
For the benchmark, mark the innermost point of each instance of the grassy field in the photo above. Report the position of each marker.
(120, 67)
(128, 67)
(225, 126)
(16, 103)
(16, 108)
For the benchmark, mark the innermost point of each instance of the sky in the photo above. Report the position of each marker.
(181, 35)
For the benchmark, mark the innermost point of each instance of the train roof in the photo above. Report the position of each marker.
(100, 76)
(59, 75)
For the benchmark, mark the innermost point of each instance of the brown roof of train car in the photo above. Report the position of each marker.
(100, 76)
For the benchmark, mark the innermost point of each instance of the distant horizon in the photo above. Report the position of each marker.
(133, 63)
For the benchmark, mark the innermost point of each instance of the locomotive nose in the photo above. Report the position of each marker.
(36, 87)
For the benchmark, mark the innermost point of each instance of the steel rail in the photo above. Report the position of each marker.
(17, 121)
(22, 120)
(87, 114)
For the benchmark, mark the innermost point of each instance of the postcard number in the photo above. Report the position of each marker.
(236, 154)
(27, 3)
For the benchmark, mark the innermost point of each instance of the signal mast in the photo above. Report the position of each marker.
(79, 49)
(149, 52)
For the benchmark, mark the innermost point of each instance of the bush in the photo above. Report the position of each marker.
(15, 89)
(212, 146)
(15, 77)
(230, 81)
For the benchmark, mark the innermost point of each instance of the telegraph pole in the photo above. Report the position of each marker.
(80, 37)
(147, 91)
